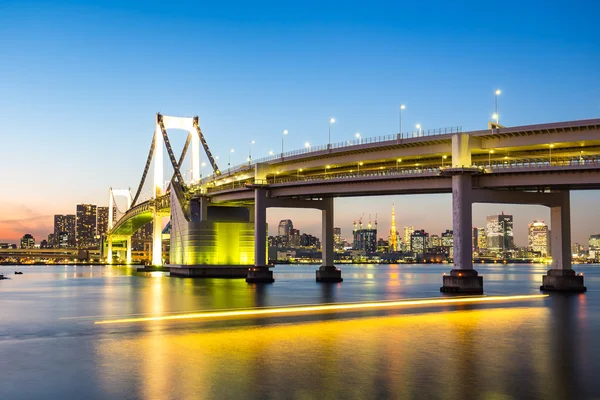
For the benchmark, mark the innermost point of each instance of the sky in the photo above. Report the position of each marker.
(80, 83)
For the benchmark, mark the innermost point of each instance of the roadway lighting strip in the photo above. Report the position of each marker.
(282, 311)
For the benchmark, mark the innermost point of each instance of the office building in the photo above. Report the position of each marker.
(418, 242)
(86, 225)
(499, 232)
(101, 221)
(27, 241)
(538, 238)
(64, 224)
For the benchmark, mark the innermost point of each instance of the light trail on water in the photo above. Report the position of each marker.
(308, 309)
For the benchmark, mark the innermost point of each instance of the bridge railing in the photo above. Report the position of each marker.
(357, 142)
(498, 164)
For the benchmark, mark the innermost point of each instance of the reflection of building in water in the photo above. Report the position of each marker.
(499, 232)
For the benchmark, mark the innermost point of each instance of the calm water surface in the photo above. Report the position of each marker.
(50, 347)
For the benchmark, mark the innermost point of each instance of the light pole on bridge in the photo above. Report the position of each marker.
(497, 93)
(331, 121)
(250, 152)
(402, 107)
(283, 133)
(229, 160)
(358, 137)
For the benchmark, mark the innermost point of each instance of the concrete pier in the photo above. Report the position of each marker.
(327, 272)
(260, 273)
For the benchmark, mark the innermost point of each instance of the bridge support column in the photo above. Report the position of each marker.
(157, 240)
(463, 278)
(260, 273)
(561, 277)
(327, 272)
(109, 251)
(128, 256)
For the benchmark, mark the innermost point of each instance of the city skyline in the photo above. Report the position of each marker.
(300, 71)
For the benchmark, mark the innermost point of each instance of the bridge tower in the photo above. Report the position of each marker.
(112, 193)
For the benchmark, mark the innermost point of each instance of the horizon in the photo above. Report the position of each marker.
(81, 88)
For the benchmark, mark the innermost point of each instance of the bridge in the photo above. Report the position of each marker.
(214, 220)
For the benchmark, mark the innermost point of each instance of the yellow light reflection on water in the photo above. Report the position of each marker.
(279, 311)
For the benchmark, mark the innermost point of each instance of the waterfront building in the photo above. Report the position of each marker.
(481, 240)
(86, 225)
(27, 241)
(499, 232)
(338, 242)
(538, 237)
(594, 246)
(418, 242)
(101, 221)
(408, 231)
(435, 241)
(285, 227)
(64, 224)
(365, 240)
(448, 242)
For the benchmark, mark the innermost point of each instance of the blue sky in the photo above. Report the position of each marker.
(81, 82)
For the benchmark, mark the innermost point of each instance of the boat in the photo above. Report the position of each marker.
(18, 273)
(2, 277)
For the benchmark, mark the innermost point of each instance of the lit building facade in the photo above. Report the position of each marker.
(27, 241)
(365, 240)
(285, 227)
(448, 242)
(86, 225)
(101, 221)
(418, 242)
(499, 232)
(538, 237)
(64, 224)
(408, 231)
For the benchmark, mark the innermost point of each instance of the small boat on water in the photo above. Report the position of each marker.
(18, 273)
(2, 277)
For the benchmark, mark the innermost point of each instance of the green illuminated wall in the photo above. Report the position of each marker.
(213, 243)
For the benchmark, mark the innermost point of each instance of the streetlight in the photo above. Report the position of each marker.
(326, 168)
(551, 146)
(418, 126)
(443, 158)
(331, 121)
(298, 172)
(399, 160)
(283, 133)
(229, 160)
(250, 152)
(490, 157)
(307, 145)
(358, 137)
(497, 93)
(271, 152)
(358, 167)
(402, 107)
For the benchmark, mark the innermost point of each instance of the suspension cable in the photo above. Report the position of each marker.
(213, 163)
(170, 150)
(146, 168)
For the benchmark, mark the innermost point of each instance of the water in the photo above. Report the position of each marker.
(50, 347)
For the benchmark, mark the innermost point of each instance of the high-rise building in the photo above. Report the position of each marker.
(285, 227)
(86, 225)
(27, 241)
(365, 240)
(64, 224)
(499, 232)
(101, 221)
(435, 241)
(538, 237)
(448, 242)
(408, 231)
(393, 242)
(481, 239)
(337, 238)
(594, 246)
(418, 242)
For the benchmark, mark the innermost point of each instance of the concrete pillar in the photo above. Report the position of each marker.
(128, 257)
(327, 272)
(260, 228)
(260, 273)
(158, 160)
(462, 221)
(560, 234)
(109, 252)
(561, 277)
(461, 150)
(463, 278)
(157, 240)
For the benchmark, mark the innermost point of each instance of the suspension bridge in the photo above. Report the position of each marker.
(218, 222)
